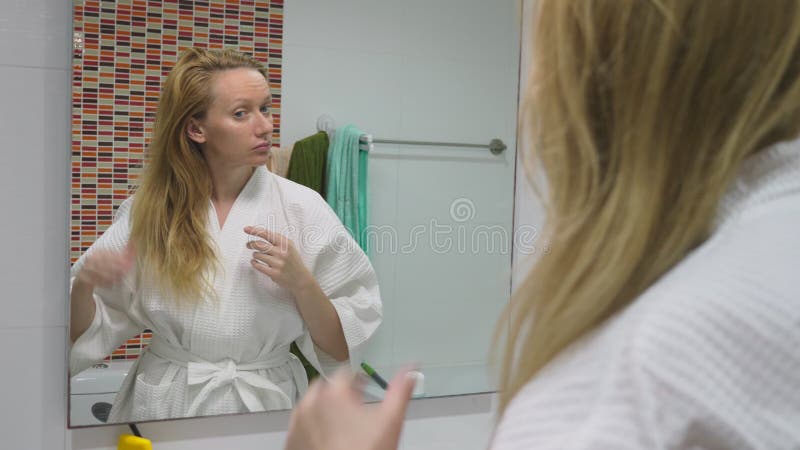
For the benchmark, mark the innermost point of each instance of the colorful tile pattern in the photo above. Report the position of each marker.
(132, 348)
(122, 51)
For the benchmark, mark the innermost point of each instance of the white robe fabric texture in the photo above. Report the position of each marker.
(231, 355)
(707, 358)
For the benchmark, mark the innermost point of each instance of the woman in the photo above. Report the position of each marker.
(667, 314)
(226, 263)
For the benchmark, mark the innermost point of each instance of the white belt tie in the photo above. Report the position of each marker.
(245, 380)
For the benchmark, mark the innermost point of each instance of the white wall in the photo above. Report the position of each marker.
(445, 71)
(528, 210)
(34, 150)
(34, 153)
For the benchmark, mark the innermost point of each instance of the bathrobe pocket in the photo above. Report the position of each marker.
(152, 401)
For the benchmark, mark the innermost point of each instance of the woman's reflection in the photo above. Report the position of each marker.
(225, 262)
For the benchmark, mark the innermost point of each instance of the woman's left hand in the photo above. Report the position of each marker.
(277, 257)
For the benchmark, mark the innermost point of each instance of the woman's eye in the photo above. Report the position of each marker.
(238, 114)
(266, 110)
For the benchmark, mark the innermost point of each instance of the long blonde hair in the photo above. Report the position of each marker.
(641, 112)
(170, 208)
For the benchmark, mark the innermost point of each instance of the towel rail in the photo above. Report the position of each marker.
(496, 146)
(327, 124)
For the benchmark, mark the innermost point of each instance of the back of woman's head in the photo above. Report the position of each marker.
(640, 112)
(170, 209)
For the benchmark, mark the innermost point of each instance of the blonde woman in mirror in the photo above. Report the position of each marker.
(667, 313)
(225, 262)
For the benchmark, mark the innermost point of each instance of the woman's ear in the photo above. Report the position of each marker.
(195, 131)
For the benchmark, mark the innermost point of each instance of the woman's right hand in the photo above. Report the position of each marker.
(101, 268)
(105, 268)
(332, 416)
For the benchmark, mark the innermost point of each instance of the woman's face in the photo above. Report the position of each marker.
(236, 130)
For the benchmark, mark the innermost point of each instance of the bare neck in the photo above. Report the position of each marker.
(227, 184)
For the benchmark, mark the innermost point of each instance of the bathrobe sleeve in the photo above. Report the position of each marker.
(346, 276)
(112, 324)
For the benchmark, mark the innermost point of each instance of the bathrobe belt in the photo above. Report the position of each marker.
(243, 376)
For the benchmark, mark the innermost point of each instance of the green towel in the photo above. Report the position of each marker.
(307, 163)
(307, 167)
(347, 183)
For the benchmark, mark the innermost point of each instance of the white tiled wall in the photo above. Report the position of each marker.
(443, 70)
(33, 411)
(34, 138)
(35, 34)
(34, 150)
(34, 155)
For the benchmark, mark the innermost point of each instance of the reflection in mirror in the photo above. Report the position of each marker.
(208, 276)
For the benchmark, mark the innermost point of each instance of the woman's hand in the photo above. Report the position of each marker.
(105, 268)
(101, 268)
(333, 416)
(277, 257)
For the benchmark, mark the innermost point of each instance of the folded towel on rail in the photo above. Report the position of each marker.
(346, 189)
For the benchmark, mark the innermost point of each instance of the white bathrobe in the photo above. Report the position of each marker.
(232, 355)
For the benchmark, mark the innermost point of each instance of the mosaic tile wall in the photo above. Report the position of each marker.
(122, 51)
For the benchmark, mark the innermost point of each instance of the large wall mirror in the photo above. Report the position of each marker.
(429, 84)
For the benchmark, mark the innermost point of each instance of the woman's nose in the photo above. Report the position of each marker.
(265, 125)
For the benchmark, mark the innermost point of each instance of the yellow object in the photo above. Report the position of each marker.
(131, 442)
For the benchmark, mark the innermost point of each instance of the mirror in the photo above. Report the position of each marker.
(440, 216)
